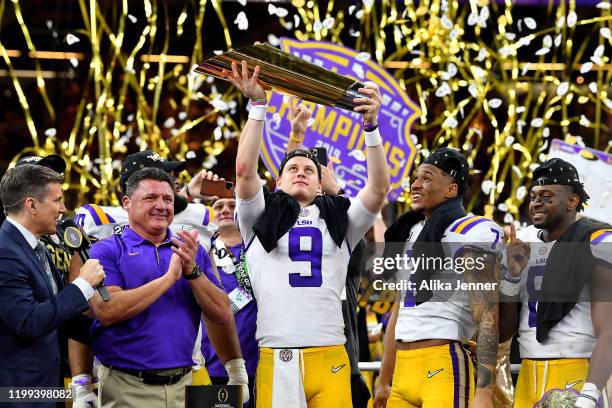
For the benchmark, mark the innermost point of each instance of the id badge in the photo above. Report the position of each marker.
(240, 298)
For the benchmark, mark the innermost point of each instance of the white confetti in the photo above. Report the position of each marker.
(520, 109)
(219, 104)
(506, 51)
(472, 19)
(454, 33)
(473, 90)
(351, 9)
(562, 88)
(132, 18)
(482, 53)
(328, 22)
(542, 51)
(310, 122)
(51, 132)
(241, 21)
(414, 139)
(558, 40)
(363, 56)
(359, 14)
(74, 62)
(546, 132)
(547, 42)
(451, 122)
(495, 103)
(273, 40)
(560, 22)
(190, 155)
(182, 115)
(169, 123)
(317, 26)
(405, 184)
(354, 33)
(599, 51)
(584, 121)
(537, 122)
(509, 140)
(486, 186)
(586, 67)
(72, 39)
(596, 60)
(221, 121)
(484, 14)
(357, 154)
(503, 207)
(605, 32)
(521, 192)
(296, 20)
(130, 117)
(368, 3)
(608, 103)
(452, 70)
(530, 23)
(510, 36)
(277, 11)
(572, 18)
(218, 133)
(446, 22)
(544, 146)
(508, 218)
(604, 5)
(525, 68)
(443, 90)
(593, 87)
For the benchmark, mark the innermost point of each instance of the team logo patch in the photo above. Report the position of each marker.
(285, 355)
(304, 212)
(543, 250)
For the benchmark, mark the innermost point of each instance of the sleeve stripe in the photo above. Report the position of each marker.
(600, 235)
(208, 215)
(464, 226)
(99, 216)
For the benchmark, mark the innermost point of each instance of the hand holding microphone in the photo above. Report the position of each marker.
(75, 239)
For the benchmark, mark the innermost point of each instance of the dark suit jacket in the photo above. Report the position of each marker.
(30, 315)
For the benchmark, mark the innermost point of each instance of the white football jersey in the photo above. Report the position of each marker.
(573, 336)
(298, 284)
(447, 315)
(102, 221)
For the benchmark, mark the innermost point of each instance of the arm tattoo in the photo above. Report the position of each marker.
(485, 309)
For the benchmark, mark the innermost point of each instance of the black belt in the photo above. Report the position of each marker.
(153, 378)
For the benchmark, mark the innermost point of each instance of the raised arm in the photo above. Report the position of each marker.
(378, 183)
(299, 114)
(247, 179)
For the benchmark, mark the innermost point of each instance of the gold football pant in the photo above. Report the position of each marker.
(326, 375)
(536, 377)
(432, 377)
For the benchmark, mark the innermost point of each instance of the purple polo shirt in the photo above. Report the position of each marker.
(163, 335)
(245, 324)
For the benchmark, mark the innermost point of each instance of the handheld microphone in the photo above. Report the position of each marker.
(75, 239)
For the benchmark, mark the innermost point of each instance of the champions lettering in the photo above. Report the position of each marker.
(343, 128)
(340, 131)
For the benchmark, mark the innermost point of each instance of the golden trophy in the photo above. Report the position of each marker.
(287, 74)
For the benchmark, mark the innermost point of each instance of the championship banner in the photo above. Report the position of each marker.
(340, 130)
(595, 169)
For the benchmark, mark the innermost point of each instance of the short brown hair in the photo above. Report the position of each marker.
(21, 182)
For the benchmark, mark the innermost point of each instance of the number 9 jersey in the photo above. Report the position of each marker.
(298, 284)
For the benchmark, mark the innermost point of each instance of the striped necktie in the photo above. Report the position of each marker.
(42, 257)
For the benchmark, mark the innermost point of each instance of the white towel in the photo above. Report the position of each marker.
(287, 385)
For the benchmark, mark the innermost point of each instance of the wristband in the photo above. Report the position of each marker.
(258, 112)
(372, 138)
(295, 139)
